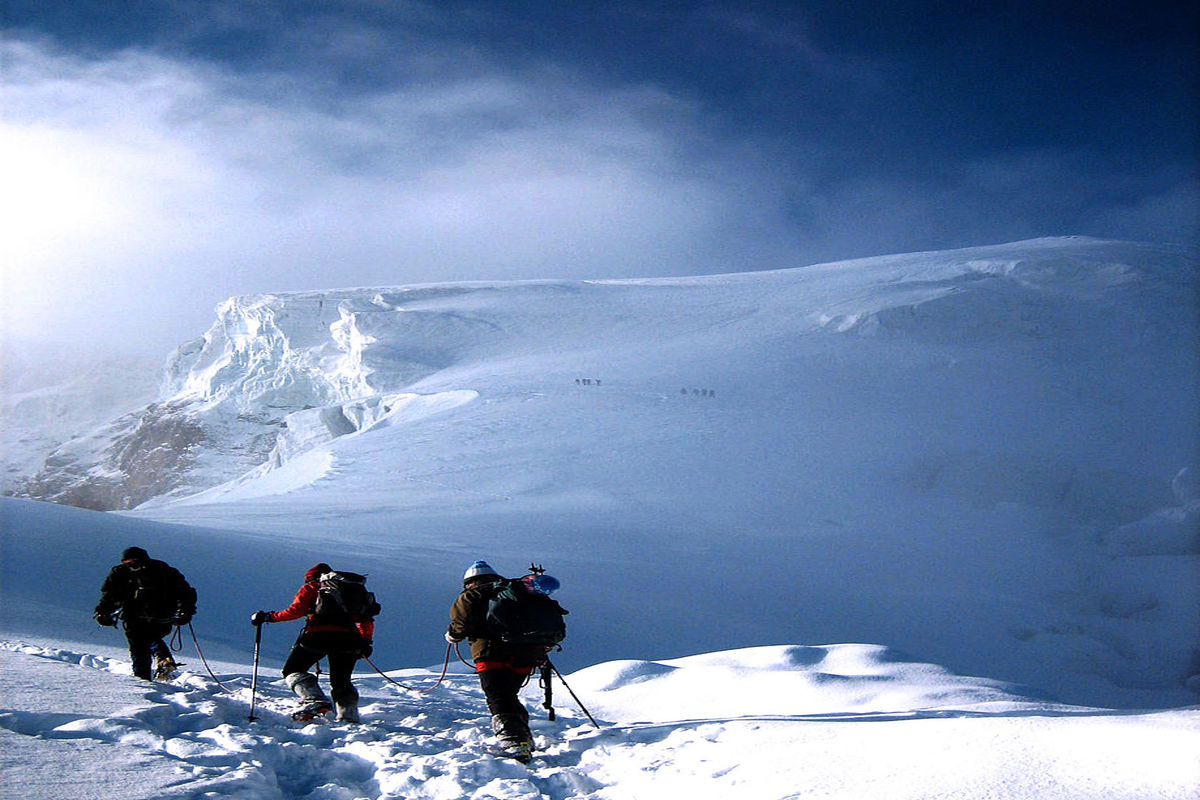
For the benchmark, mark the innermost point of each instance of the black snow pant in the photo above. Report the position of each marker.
(145, 639)
(510, 719)
(340, 648)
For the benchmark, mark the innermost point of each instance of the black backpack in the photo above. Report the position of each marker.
(518, 616)
(343, 598)
(156, 594)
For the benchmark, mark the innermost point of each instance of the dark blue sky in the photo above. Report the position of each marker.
(272, 146)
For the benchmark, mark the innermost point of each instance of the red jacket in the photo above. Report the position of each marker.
(305, 603)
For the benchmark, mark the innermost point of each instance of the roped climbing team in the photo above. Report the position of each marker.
(149, 596)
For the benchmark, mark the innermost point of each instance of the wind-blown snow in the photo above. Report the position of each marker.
(983, 460)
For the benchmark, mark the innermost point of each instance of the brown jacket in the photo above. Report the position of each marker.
(468, 621)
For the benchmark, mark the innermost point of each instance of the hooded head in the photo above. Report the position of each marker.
(316, 572)
(134, 554)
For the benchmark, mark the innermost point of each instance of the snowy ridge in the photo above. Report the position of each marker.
(238, 401)
(262, 351)
(51, 393)
(228, 397)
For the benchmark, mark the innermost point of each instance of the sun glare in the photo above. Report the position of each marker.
(52, 194)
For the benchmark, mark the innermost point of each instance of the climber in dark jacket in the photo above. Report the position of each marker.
(149, 596)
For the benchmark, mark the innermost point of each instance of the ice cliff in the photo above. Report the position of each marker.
(1064, 340)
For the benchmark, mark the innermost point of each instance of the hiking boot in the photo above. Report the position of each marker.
(518, 750)
(311, 710)
(347, 713)
(165, 668)
(510, 727)
(305, 685)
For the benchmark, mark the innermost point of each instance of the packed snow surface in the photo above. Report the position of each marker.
(981, 465)
(769, 722)
(778, 721)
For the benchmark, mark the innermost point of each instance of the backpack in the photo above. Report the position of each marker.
(342, 597)
(517, 616)
(156, 594)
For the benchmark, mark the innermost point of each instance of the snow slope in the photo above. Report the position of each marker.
(967, 456)
(787, 722)
(50, 393)
(974, 463)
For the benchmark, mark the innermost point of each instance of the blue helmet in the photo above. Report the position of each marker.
(541, 584)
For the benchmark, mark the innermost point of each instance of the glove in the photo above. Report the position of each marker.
(450, 639)
(366, 650)
(259, 618)
(183, 618)
(105, 620)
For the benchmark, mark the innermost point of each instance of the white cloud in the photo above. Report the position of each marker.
(188, 183)
(141, 189)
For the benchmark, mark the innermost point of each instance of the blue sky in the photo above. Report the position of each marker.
(171, 154)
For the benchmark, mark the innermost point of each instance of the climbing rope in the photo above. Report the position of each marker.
(203, 660)
(445, 667)
(463, 660)
(175, 642)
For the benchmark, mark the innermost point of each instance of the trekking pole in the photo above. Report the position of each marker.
(574, 697)
(547, 683)
(254, 678)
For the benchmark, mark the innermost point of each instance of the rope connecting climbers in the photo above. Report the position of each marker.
(175, 643)
(463, 660)
(203, 660)
(445, 667)
(546, 670)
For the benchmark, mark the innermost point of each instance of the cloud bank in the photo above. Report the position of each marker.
(146, 187)
(182, 181)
